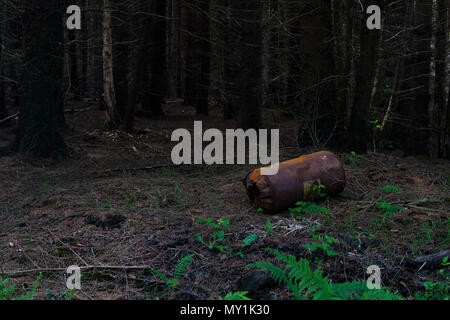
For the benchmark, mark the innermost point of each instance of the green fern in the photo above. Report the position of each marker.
(180, 269)
(357, 290)
(179, 272)
(241, 295)
(7, 292)
(304, 283)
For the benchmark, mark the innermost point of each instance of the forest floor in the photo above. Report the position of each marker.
(117, 202)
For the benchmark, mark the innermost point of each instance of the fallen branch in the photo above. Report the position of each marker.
(24, 272)
(137, 169)
(433, 259)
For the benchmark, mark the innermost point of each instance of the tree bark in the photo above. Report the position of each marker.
(251, 74)
(3, 112)
(359, 122)
(419, 119)
(112, 116)
(154, 98)
(205, 57)
(37, 133)
(137, 73)
(438, 116)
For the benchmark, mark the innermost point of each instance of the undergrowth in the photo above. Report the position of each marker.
(304, 283)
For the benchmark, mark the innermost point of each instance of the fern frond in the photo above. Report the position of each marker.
(275, 272)
(161, 275)
(240, 295)
(357, 290)
(180, 269)
(304, 283)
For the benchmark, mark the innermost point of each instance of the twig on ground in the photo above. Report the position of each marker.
(16, 273)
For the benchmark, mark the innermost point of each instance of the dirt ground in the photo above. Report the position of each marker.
(119, 208)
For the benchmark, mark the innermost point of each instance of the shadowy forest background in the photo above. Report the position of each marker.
(314, 61)
(86, 118)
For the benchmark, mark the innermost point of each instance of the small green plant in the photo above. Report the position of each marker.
(260, 211)
(324, 243)
(269, 227)
(246, 242)
(65, 295)
(388, 209)
(390, 189)
(319, 188)
(304, 283)
(354, 158)
(7, 292)
(107, 205)
(218, 236)
(306, 207)
(240, 295)
(437, 290)
(131, 201)
(445, 264)
(179, 271)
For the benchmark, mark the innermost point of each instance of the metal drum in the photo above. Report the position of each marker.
(300, 179)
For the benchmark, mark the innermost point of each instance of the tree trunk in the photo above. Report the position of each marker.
(37, 134)
(3, 112)
(447, 128)
(251, 74)
(438, 116)
(314, 90)
(205, 57)
(191, 55)
(137, 73)
(229, 64)
(365, 73)
(399, 69)
(91, 84)
(112, 116)
(418, 128)
(154, 99)
(174, 47)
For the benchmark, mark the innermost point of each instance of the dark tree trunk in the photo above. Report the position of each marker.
(137, 73)
(437, 140)
(153, 99)
(251, 73)
(447, 128)
(191, 56)
(112, 118)
(205, 56)
(174, 48)
(344, 85)
(418, 128)
(121, 51)
(37, 134)
(3, 113)
(229, 67)
(365, 73)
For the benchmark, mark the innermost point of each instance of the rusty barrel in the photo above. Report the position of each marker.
(299, 179)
